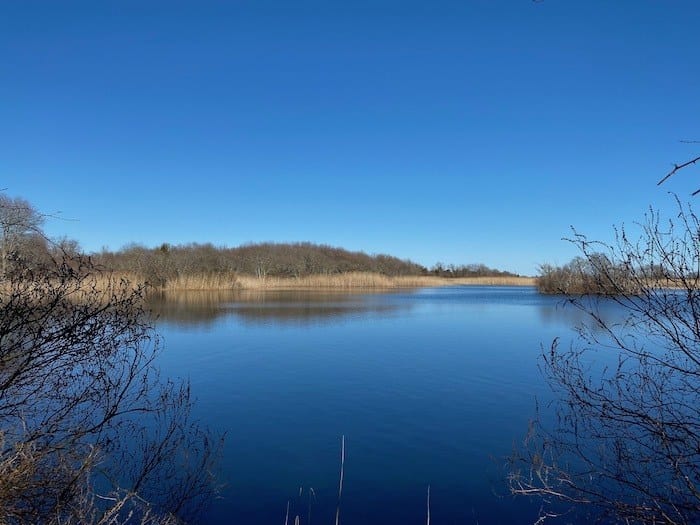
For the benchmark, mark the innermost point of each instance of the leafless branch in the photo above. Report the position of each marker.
(676, 168)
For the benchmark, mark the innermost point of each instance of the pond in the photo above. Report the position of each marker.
(428, 387)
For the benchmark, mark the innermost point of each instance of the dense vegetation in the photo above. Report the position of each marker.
(262, 260)
(595, 275)
(26, 248)
(166, 262)
(468, 270)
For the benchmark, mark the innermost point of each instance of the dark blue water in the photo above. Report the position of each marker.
(429, 387)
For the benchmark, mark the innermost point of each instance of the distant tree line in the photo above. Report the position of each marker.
(165, 262)
(468, 270)
(23, 247)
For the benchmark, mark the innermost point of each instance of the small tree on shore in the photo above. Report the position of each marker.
(20, 224)
(626, 444)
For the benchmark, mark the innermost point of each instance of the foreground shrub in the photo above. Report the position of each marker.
(89, 431)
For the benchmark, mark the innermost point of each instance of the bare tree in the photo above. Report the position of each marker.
(89, 431)
(626, 444)
(158, 265)
(19, 221)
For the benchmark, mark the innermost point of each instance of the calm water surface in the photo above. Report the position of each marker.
(432, 386)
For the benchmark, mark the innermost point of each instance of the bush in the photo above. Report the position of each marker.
(626, 445)
(89, 432)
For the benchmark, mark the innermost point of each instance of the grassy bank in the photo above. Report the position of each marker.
(359, 280)
(342, 281)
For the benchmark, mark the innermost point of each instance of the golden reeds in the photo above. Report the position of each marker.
(342, 281)
(100, 287)
(367, 280)
(211, 281)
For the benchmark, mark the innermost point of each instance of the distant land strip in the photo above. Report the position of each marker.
(374, 280)
(280, 266)
(342, 281)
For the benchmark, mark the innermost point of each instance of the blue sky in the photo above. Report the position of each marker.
(470, 131)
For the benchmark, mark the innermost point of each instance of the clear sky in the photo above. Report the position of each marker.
(467, 131)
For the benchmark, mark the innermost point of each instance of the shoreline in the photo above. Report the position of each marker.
(339, 282)
(347, 281)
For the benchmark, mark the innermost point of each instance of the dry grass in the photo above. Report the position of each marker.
(360, 280)
(114, 281)
(100, 287)
(213, 281)
(344, 281)
(492, 281)
(110, 283)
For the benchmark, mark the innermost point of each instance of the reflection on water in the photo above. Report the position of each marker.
(201, 308)
(428, 386)
(557, 310)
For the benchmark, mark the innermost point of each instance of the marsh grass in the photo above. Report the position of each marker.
(100, 287)
(341, 281)
(210, 281)
(364, 280)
